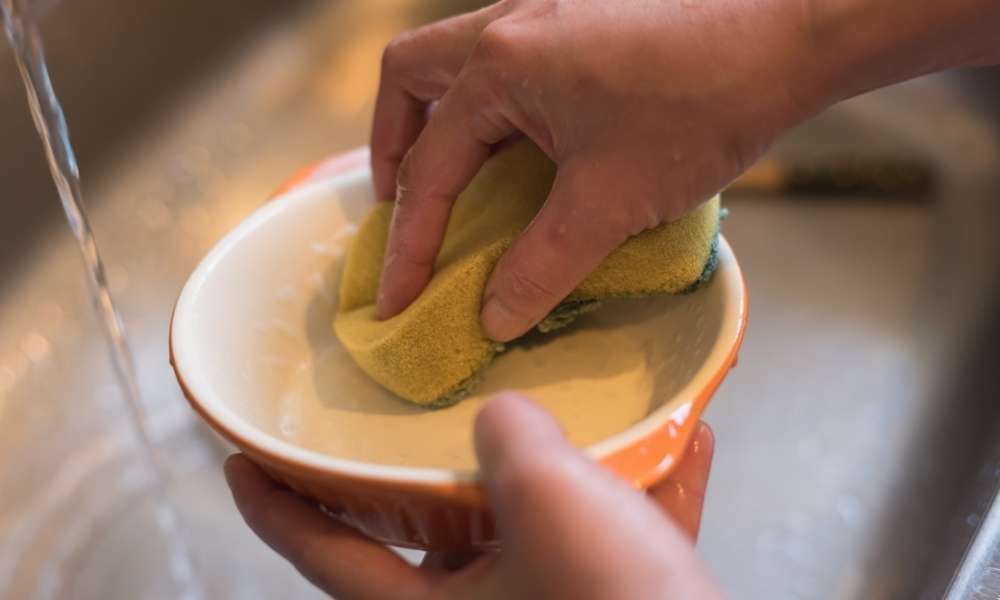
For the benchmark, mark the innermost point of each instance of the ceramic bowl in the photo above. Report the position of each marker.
(257, 311)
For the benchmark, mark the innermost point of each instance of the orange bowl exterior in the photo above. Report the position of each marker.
(454, 516)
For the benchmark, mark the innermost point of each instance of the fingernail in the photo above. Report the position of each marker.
(500, 322)
(510, 428)
(380, 305)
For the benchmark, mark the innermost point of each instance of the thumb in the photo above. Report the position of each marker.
(531, 471)
(578, 226)
(568, 524)
(512, 432)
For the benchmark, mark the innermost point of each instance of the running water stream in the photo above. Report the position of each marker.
(47, 113)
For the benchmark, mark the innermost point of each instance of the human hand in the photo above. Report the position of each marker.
(647, 107)
(570, 528)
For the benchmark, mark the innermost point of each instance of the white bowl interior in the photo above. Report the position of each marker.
(254, 343)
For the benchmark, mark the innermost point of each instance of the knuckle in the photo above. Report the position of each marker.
(524, 290)
(642, 213)
(412, 254)
(631, 216)
(499, 41)
(406, 179)
(395, 50)
(411, 193)
(415, 181)
(481, 88)
(488, 124)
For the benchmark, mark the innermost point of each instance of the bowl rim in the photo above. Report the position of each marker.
(686, 404)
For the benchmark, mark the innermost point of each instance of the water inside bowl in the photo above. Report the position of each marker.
(272, 355)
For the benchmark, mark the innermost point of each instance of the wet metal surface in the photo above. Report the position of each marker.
(857, 452)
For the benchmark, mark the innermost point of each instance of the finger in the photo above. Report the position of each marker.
(399, 117)
(511, 430)
(536, 480)
(417, 68)
(335, 558)
(577, 227)
(448, 153)
(553, 504)
(682, 495)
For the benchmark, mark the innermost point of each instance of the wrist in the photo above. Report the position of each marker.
(859, 45)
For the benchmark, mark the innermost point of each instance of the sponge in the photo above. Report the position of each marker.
(433, 352)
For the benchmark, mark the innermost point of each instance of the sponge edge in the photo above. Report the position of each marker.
(433, 352)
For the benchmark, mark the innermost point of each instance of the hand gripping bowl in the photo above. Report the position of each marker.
(257, 313)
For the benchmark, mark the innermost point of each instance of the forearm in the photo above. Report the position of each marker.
(860, 45)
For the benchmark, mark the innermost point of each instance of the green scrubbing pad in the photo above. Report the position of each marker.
(434, 351)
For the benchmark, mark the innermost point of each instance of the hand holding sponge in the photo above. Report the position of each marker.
(433, 352)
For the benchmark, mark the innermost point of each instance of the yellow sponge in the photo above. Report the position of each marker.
(433, 351)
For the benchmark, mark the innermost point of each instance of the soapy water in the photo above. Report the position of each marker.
(47, 114)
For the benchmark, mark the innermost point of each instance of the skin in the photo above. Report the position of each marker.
(571, 529)
(648, 108)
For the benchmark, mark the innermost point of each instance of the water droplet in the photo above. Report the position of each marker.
(36, 347)
(185, 165)
(680, 415)
(50, 314)
(181, 172)
(213, 177)
(18, 362)
(156, 216)
(289, 426)
(346, 231)
(328, 250)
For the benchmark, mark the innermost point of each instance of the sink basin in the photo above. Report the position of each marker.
(858, 438)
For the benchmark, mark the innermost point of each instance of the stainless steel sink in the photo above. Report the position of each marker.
(858, 440)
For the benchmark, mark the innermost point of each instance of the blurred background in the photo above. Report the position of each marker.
(858, 439)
